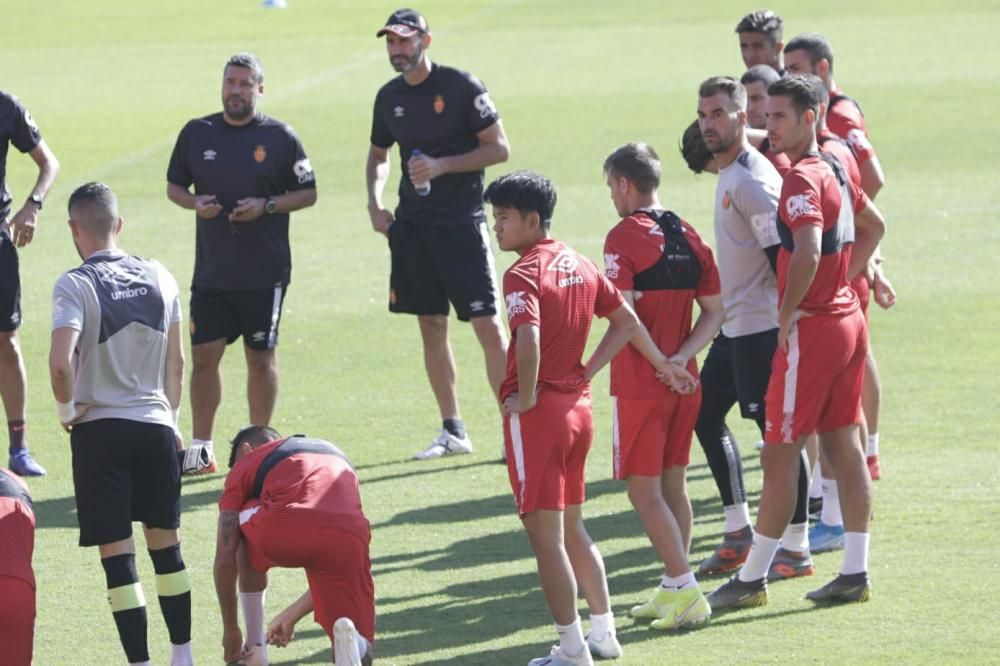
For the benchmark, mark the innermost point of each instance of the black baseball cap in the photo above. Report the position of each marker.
(405, 23)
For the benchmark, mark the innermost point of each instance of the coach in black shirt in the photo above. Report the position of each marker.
(249, 172)
(448, 132)
(18, 128)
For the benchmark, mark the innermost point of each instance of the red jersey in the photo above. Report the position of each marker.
(306, 488)
(780, 161)
(844, 118)
(559, 290)
(17, 528)
(668, 266)
(811, 194)
(834, 145)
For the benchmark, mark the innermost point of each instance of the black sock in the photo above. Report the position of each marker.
(802, 499)
(17, 430)
(128, 607)
(455, 427)
(174, 590)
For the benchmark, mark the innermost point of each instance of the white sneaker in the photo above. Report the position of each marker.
(345, 643)
(255, 656)
(559, 658)
(606, 648)
(445, 444)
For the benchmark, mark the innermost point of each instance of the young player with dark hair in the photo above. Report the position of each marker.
(552, 294)
(117, 368)
(760, 34)
(662, 267)
(829, 230)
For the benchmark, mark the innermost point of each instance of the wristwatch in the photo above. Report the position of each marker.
(270, 206)
(37, 199)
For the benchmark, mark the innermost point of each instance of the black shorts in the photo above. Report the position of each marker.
(10, 284)
(124, 471)
(435, 265)
(229, 313)
(738, 370)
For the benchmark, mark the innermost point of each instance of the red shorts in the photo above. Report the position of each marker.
(816, 385)
(650, 435)
(863, 290)
(336, 562)
(547, 450)
(17, 621)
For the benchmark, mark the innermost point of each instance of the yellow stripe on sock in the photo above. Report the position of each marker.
(172, 584)
(126, 597)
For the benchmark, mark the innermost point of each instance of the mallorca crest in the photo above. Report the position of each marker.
(439, 104)
(260, 153)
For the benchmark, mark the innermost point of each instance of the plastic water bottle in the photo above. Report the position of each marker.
(424, 188)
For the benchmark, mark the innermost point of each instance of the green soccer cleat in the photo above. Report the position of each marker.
(656, 607)
(689, 608)
(737, 594)
(845, 587)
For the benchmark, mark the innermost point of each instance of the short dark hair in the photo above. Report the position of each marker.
(248, 60)
(255, 435)
(764, 21)
(527, 191)
(815, 45)
(733, 89)
(696, 154)
(638, 163)
(760, 74)
(801, 89)
(101, 204)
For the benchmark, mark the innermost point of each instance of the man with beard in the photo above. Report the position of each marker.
(249, 172)
(829, 230)
(448, 131)
(738, 365)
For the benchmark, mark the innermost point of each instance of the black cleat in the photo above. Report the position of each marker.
(845, 587)
(737, 594)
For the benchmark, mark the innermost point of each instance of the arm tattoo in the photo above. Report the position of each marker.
(229, 522)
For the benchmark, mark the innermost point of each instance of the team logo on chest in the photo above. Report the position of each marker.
(260, 153)
(726, 201)
(566, 263)
(799, 205)
(209, 155)
(398, 112)
(439, 104)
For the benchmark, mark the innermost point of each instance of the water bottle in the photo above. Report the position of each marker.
(424, 188)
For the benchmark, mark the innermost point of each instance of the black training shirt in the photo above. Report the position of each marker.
(441, 116)
(17, 127)
(262, 159)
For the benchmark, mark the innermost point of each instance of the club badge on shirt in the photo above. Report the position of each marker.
(260, 153)
(439, 104)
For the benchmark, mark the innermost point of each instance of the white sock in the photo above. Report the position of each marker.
(796, 537)
(873, 444)
(737, 517)
(252, 604)
(207, 443)
(759, 560)
(830, 515)
(855, 553)
(571, 637)
(682, 582)
(601, 624)
(362, 645)
(180, 655)
(816, 483)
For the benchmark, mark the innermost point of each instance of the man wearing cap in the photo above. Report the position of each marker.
(448, 132)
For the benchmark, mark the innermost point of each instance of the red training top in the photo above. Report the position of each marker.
(17, 528)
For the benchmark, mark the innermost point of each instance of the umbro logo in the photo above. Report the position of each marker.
(259, 336)
(565, 262)
(209, 155)
(398, 111)
(476, 306)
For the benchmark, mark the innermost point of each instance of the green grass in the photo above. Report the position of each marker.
(111, 84)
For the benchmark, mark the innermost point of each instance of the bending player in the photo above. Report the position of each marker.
(285, 500)
(662, 267)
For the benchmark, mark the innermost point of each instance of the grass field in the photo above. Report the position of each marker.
(112, 83)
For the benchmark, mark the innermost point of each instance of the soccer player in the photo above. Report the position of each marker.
(294, 502)
(662, 267)
(696, 154)
(552, 294)
(738, 365)
(17, 127)
(17, 578)
(756, 81)
(117, 369)
(811, 53)
(448, 131)
(760, 34)
(249, 172)
(829, 230)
